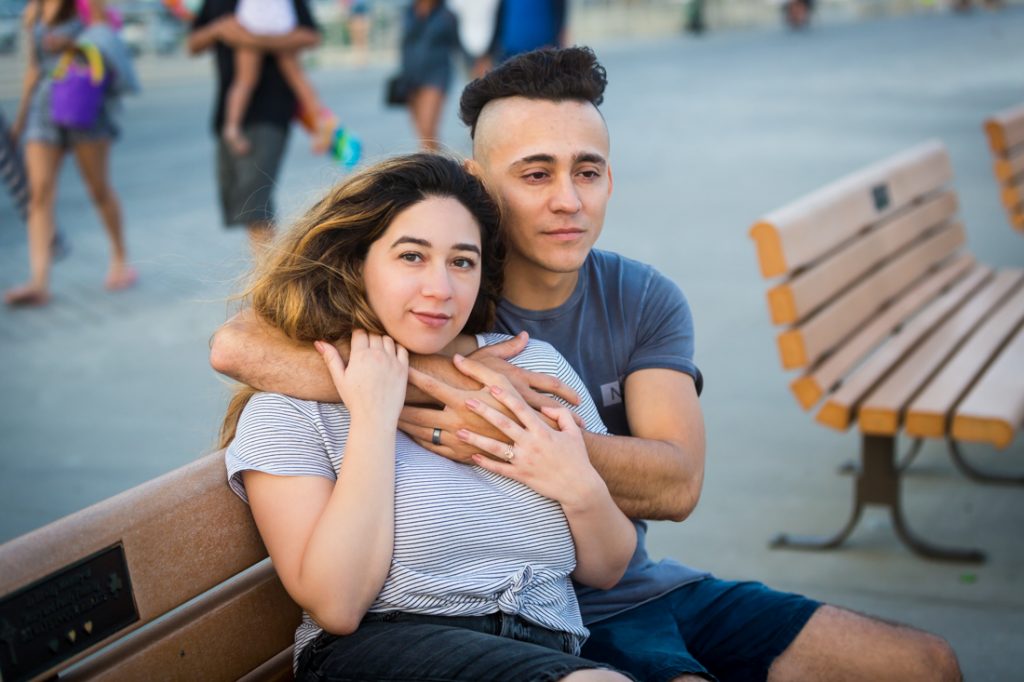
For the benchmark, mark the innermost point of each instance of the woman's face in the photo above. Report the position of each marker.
(423, 274)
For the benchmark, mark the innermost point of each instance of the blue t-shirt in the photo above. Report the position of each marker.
(623, 316)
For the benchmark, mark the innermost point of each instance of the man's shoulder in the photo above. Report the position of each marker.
(609, 265)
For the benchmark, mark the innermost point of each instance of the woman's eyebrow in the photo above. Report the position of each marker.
(411, 240)
(467, 247)
(426, 244)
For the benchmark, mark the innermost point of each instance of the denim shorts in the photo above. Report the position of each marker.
(718, 629)
(395, 646)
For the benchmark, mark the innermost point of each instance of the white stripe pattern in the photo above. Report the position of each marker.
(467, 542)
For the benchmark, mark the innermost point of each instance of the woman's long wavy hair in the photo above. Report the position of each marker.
(310, 284)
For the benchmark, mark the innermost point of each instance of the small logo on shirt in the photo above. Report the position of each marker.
(611, 394)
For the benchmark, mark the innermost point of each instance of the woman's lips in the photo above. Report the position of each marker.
(432, 319)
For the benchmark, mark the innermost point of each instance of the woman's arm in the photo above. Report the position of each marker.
(554, 462)
(31, 77)
(332, 543)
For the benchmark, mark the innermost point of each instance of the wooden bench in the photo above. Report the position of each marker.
(893, 326)
(168, 580)
(1005, 132)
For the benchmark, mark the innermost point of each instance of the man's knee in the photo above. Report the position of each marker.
(840, 644)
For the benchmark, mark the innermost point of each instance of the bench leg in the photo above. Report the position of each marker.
(878, 483)
(976, 474)
(851, 467)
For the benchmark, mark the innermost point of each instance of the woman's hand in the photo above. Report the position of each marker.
(373, 383)
(551, 460)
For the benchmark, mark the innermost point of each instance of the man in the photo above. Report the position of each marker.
(542, 145)
(246, 181)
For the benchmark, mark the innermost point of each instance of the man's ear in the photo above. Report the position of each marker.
(472, 166)
(611, 180)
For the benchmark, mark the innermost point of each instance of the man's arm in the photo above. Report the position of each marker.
(656, 473)
(253, 352)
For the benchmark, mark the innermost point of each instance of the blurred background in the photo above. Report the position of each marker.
(719, 113)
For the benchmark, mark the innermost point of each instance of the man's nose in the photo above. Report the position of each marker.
(566, 197)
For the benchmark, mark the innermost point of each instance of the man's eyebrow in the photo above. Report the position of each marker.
(582, 157)
(426, 244)
(535, 158)
(590, 157)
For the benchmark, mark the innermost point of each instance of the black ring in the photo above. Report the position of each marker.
(436, 438)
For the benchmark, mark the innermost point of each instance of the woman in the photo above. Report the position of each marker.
(429, 35)
(52, 27)
(406, 563)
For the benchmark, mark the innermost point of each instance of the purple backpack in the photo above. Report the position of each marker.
(79, 81)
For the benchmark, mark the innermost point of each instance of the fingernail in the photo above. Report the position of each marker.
(495, 390)
(457, 358)
(472, 404)
(462, 434)
(319, 346)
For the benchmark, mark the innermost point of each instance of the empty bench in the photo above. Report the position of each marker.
(892, 325)
(168, 580)
(1005, 132)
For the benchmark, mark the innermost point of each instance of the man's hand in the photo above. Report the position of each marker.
(532, 386)
(420, 422)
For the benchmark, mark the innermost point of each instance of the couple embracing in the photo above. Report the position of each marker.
(499, 538)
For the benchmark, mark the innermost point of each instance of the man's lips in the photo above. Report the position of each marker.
(432, 319)
(564, 234)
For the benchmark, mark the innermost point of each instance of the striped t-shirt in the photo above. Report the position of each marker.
(467, 542)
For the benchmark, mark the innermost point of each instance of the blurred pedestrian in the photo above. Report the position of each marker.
(477, 24)
(358, 23)
(268, 18)
(51, 28)
(429, 36)
(14, 177)
(246, 181)
(525, 25)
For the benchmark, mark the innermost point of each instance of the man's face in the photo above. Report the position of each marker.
(549, 163)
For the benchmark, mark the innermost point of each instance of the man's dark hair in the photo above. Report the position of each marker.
(556, 75)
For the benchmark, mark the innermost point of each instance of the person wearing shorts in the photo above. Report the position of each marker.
(51, 28)
(246, 182)
(542, 145)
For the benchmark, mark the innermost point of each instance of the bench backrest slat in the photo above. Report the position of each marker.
(994, 409)
(805, 343)
(793, 300)
(1006, 130)
(810, 387)
(801, 232)
(881, 411)
(840, 405)
(182, 534)
(927, 414)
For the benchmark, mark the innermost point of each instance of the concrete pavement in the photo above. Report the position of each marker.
(102, 391)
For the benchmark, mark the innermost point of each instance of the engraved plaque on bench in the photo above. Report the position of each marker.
(64, 613)
(880, 195)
